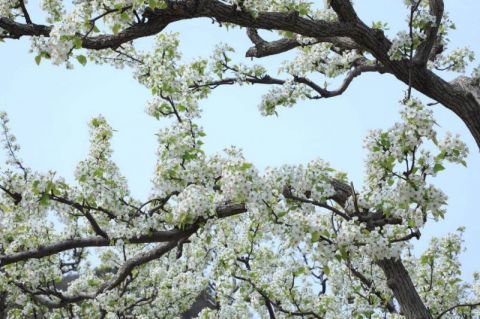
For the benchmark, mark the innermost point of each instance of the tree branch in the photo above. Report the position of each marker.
(136, 261)
(264, 48)
(424, 51)
(324, 93)
(399, 281)
(415, 234)
(98, 230)
(289, 195)
(158, 19)
(223, 211)
(344, 9)
(367, 282)
(117, 279)
(95, 241)
(25, 12)
(470, 305)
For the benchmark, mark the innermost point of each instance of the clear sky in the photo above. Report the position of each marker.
(50, 106)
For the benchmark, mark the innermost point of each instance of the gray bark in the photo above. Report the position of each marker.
(398, 280)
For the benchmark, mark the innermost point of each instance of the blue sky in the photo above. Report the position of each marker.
(50, 106)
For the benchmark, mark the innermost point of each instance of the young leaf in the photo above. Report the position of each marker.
(82, 59)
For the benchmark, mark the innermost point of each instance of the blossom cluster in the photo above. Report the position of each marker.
(302, 239)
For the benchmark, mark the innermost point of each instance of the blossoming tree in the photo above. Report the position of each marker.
(293, 241)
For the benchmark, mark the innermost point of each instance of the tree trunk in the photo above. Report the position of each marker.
(398, 280)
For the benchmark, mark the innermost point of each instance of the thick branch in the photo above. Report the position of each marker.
(17, 30)
(172, 239)
(461, 96)
(136, 261)
(117, 279)
(399, 281)
(101, 241)
(424, 51)
(264, 48)
(344, 9)
(95, 241)
(176, 11)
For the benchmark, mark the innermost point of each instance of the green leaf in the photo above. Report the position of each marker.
(181, 107)
(303, 8)
(65, 37)
(299, 271)
(343, 253)
(77, 42)
(245, 166)
(411, 223)
(168, 217)
(38, 59)
(82, 59)
(162, 5)
(183, 219)
(98, 172)
(438, 167)
(189, 155)
(315, 236)
(389, 163)
(282, 213)
(326, 270)
(44, 200)
(425, 259)
(116, 28)
(441, 156)
(95, 122)
(208, 239)
(35, 187)
(341, 176)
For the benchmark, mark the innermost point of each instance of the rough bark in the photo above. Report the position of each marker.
(399, 281)
(462, 96)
